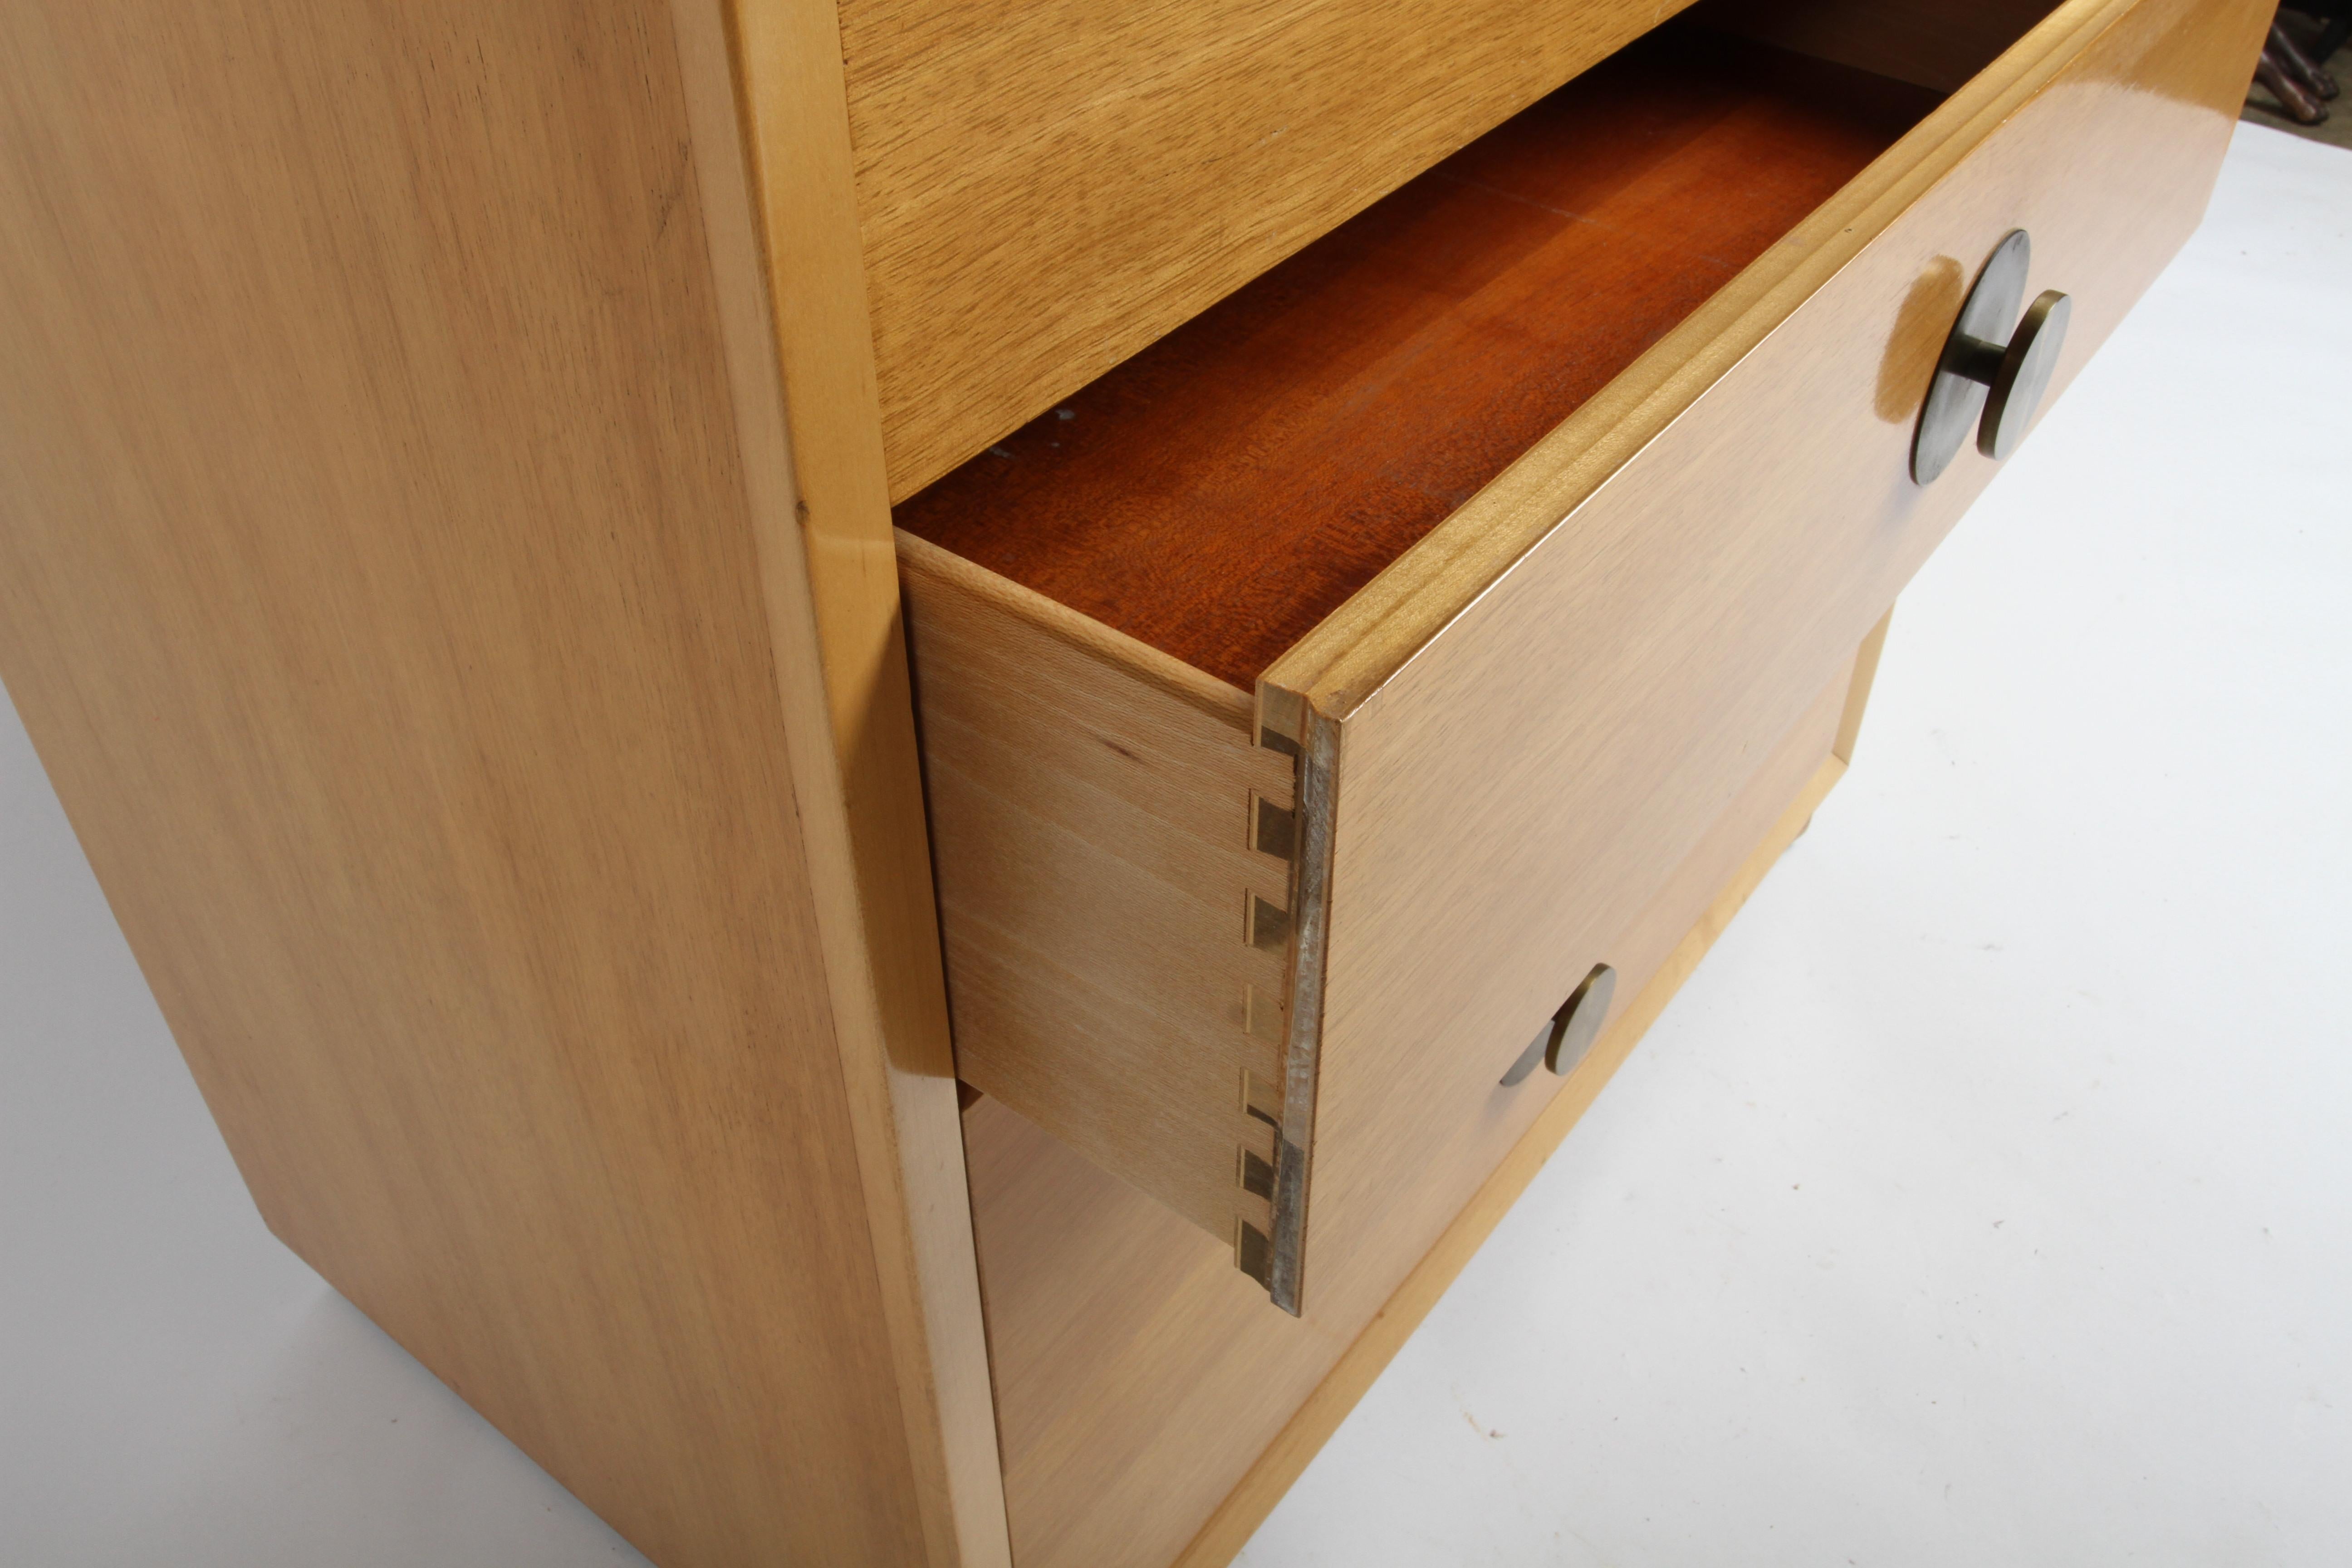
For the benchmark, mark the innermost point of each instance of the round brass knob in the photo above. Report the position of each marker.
(2023, 374)
(1979, 372)
(1561, 1044)
(1578, 1024)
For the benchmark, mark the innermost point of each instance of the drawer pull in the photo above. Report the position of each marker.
(1978, 370)
(1561, 1044)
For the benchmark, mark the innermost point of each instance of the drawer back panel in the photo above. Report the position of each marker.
(1045, 186)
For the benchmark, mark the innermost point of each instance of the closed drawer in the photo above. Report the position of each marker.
(1540, 505)
(1044, 186)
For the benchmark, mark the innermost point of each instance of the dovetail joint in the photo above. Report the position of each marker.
(1273, 828)
(1253, 1254)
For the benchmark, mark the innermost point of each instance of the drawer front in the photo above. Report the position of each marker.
(1482, 805)
(1044, 187)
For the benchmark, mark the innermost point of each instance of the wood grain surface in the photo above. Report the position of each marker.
(1351, 1377)
(1865, 673)
(765, 96)
(398, 578)
(2181, 56)
(1522, 780)
(1228, 488)
(1091, 805)
(1048, 185)
(1152, 1404)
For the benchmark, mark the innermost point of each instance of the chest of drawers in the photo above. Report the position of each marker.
(861, 745)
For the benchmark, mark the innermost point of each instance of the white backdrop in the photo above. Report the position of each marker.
(1985, 1198)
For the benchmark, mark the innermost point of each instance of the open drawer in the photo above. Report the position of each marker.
(1311, 702)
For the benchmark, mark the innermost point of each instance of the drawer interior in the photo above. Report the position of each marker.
(1221, 492)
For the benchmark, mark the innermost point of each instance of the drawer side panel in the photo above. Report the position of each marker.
(1113, 935)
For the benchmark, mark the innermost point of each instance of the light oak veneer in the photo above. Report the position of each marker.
(1152, 1406)
(1046, 188)
(1091, 801)
(447, 566)
(399, 577)
(1534, 703)
(1228, 488)
(1689, 604)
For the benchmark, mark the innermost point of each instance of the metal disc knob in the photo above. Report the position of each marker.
(2023, 374)
(1561, 1044)
(1979, 372)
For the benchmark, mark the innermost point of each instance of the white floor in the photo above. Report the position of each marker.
(1986, 1198)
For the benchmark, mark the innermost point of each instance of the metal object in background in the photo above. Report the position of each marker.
(2293, 78)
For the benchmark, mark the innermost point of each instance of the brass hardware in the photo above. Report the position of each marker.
(2023, 374)
(1979, 370)
(1579, 1021)
(1561, 1043)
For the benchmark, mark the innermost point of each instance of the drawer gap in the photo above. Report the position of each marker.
(1221, 492)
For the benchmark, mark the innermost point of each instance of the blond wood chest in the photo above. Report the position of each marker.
(869, 750)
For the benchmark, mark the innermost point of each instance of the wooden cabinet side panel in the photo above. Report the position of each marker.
(773, 171)
(378, 583)
(1091, 807)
